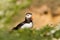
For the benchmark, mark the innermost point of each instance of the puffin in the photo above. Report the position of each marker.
(27, 23)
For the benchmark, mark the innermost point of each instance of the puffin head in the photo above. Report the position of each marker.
(28, 15)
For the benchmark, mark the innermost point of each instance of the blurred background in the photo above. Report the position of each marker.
(45, 12)
(12, 12)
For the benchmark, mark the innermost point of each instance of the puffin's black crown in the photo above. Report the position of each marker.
(29, 13)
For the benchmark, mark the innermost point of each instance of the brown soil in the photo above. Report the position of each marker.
(43, 16)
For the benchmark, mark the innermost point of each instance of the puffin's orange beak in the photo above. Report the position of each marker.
(31, 18)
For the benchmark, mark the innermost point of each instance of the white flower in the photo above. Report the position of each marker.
(53, 31)
(57, 27)
(54, 39)
(59, 39)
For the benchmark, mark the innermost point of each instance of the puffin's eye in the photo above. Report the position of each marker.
(27, 15)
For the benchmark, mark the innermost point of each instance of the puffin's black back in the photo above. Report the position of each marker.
(18, 26)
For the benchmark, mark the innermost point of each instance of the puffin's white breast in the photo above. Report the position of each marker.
(27, 25)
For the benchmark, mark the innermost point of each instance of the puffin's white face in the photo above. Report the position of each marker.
(28, 15)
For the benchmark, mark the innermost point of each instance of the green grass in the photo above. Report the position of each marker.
(28, 34)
